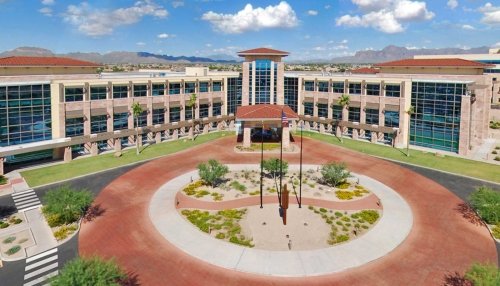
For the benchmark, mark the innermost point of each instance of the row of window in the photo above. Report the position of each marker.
(391, 90)
(72, 94)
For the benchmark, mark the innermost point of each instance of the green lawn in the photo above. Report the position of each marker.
(46, 175)
(450, 164)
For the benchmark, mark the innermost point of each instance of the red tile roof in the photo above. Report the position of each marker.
(365, 71)
(45, 62)
(432, 63)
(263, 51)
(264, 111)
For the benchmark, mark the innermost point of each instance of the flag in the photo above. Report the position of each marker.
(284, 119)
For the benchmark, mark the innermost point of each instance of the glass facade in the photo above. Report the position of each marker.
(354, 114)
(74, 127)
(25, 114)
(73, 94)
(291, 92)
(189, 113)
(120, 91)
(436, 121)
(98, 124)
(159, 116)
(323, 110)
(120, 121)
(309, 85)
(323, 86)
(338, 86)
(140, 90)
(337, 112)
(98, 92)
(175, 114)
(234, 91)
(217, 86)
(391, 119)
(158, 89)
(372, 116)
(142, 119)
(189, 87)
(217, 109)
(204, 86)
(203, 110)
(308, 108)
(174, 88)
(373, 89)
(262, 81)
(392, 90)
(354, 88)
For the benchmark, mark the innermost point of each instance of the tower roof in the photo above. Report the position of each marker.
(263, 51)
(264, 112)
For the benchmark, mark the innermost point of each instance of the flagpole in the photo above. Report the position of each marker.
(281, 154)
(261, 161)
(300, 172)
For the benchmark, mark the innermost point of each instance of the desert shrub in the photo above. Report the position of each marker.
(494, 152)
(272, 190)
(15, 220)
(486, 202)
(334, 174)
(190, 189)
(346, 219)
(370, 216)
(9, 239)
(212, 172)
(496, 231)
(217, 197)
(4, 224)
(483, 275)
(67, 203)
(272, 166)
(344, 185)
(339, 223)
(64, 231)
(201, 193)
(495, 124)
(237, 186)
(338, 214)
(364, 226)
(220, 235)
(13, 250)
(310, 207)
(497, 158)
(344, 195)
(3, 180)
(323, 210)
(89, 271)
(338, 239)
(254, 193)
(241, 241)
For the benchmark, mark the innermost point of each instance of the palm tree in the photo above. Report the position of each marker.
(192, 103)
(137, 111)
(410, 112)
(344, 102)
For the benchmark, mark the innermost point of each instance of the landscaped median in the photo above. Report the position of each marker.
(456, 165)
(84, 166)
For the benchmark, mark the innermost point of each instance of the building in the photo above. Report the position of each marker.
(70, 109)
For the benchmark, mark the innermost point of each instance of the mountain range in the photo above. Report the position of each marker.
(388, 53)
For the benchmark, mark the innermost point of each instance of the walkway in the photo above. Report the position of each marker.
(440, 242)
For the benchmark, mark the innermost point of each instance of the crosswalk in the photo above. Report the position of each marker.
(41, 267)
(26, 200)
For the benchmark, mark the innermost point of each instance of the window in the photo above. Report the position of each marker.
(337, 112)
(291, 92)
(354, 88)
(188, 113)
(391, 119)
(142, 119)
(98, 124)
(189, 87)
(174, 88)
(309, 85)
(158, 89)
(203, 110)
(354, 114)
(323, 86)
(159, 116)
(323, 110)
(234, 91)
(98, 92)
(262, 81)
(203, 86)
(175, 114)
(120, 121)
(392, 90)
(217, 109)
(140, 90)
(373, 89)
(217, 86)
(120, 91)
(372, 116)
(74, 127)
(338, 87)
(308, 108)
(73, 94)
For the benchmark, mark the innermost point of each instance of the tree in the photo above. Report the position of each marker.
(66, 205)
(91, 271)
(137, 111)
(410, 112)
(272, 166)
(483, 274)
(486, 202)
(335, 173)
(192, 103)
(344, 101)
(212, 172)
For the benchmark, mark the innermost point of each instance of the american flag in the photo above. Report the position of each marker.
(284, 119)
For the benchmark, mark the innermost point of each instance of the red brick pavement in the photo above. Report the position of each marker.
(440, 242)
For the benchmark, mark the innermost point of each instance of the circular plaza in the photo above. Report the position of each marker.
(419, 238)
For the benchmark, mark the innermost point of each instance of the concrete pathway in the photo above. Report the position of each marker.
(441, 241)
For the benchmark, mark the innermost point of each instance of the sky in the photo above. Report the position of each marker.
(314, 29)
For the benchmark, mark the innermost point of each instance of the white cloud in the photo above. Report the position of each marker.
(339, 47)
(452, 4)
(463, 47)
(387, 16)
(177, 4)
(344, 41)
(165, 36)
(46, 11)
(98, 22)
(140, 44)
(307, 37)
(497, 45)
(48, 2)
(230, 50)
(491, 14)
(312, 12)
(468, 27)
(250, 19)
(208, 45)
(328, 7)
(318, 49)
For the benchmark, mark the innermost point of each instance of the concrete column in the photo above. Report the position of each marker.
(338, 131)
(118, 144)
(286, 137)
(158, 137)
(68, 154)
(246, 137)
(355, 135)
(205, 128)
(374, 136)
(1, 166)
(86, 118)
(321, 128)
(175, 134)
(139, 140)
(93, 149)
(191, 132)
(231, 125)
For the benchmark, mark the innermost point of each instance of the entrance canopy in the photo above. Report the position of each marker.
(264, 112)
